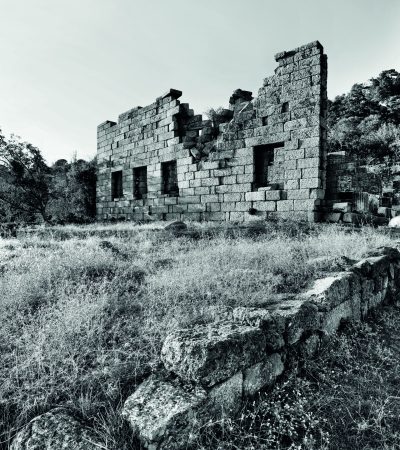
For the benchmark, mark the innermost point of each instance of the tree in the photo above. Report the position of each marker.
(387, 84)
(73, 189)
(344, 135)
(366, 121)
(24, 185)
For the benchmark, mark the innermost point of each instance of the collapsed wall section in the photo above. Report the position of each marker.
(261, 158)
(361, 193)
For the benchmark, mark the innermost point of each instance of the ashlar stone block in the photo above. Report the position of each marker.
(161, 413)
(212, 353)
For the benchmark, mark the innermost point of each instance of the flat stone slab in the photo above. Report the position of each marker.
(282, 323)
(329, 291)
(210, 354)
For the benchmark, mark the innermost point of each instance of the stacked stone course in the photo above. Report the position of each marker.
(210, 369)
(215, 167)
(357, 193)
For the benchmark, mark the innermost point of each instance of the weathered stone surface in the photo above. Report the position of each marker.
(288, 321)
(367, 294)
(162, 413)
(250, 315)
(282, 323)
(310, 346)
(301, 316)
(166, 151)
(392, 253)
(226, 398)
(362, 267)
(262, 374)
(240, 96)
(379, 265)
(330, 291)
(55, 430)
(333, 217)
(333, 318)
(384, 211)
(395, 222)
(341, 207)
(232, 360)
(351, 217)
(273, 326)
(174, 93)
(210, 354)
(355, 296)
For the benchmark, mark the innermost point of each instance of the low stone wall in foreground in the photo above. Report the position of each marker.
(210, 369)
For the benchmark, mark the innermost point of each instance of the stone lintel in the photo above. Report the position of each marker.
(174, 93)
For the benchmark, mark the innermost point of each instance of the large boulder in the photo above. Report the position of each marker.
(55, 430)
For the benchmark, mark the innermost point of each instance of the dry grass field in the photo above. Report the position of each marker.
(82, 318)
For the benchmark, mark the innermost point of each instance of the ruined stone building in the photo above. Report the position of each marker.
(263, 157)
(362, 192)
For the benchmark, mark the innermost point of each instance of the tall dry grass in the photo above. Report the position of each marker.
(82, 320)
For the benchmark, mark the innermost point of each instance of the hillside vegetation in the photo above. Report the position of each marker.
(366, 121)
(82, 320)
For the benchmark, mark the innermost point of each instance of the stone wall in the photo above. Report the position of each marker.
(210, 369)
(262, 158)
(360, 192)
(345, 174)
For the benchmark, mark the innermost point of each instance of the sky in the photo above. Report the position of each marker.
(68, 65)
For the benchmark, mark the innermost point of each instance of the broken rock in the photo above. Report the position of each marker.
(262, 374)
(162, 413)
(226, 398)
(55, 430)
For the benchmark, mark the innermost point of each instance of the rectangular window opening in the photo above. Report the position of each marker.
(169, 178)
(263, 164)
(116, 185)
(140, 182)
(285, 107)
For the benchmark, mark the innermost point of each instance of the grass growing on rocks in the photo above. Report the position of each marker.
(82, 321)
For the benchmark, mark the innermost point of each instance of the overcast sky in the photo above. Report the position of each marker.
(68, 65)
